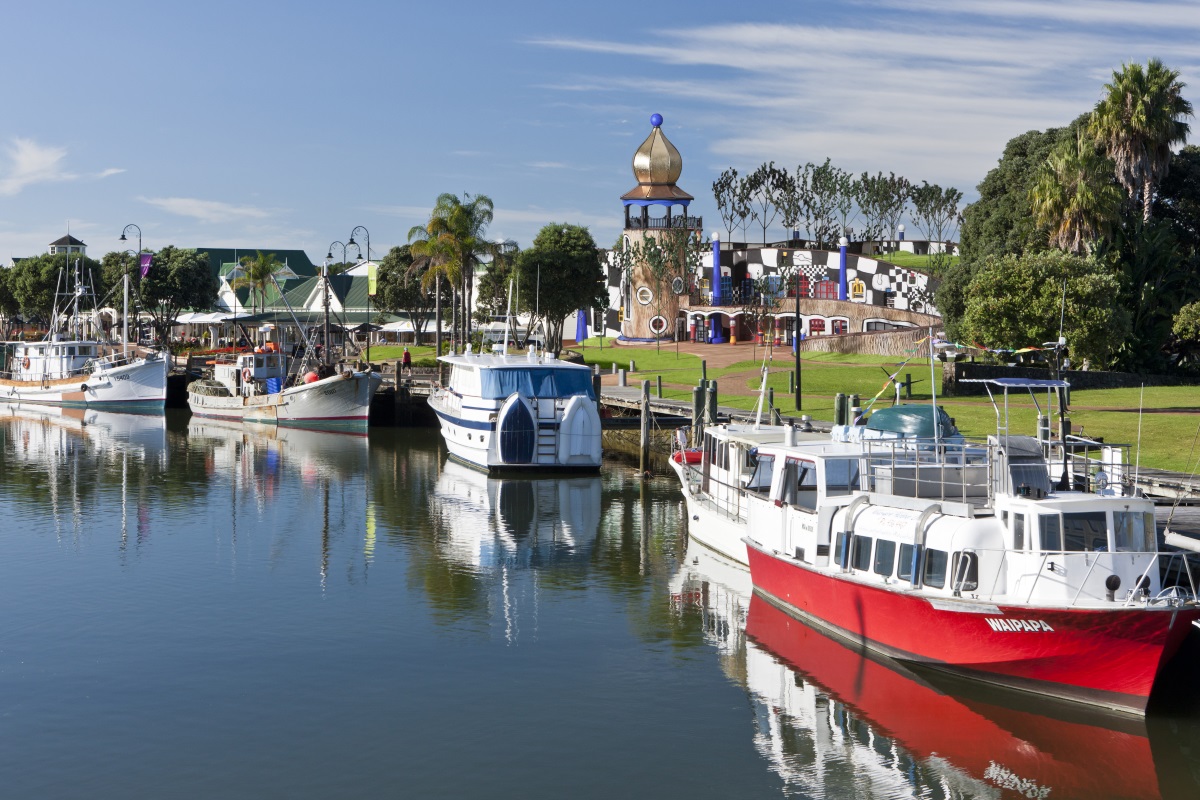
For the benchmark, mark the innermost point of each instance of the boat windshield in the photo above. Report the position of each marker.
(496, 384)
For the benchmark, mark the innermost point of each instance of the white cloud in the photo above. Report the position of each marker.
(31, 163)
(933, 92)
(109, 172)
(206, 210)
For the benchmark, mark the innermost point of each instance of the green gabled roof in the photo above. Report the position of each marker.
(350, 290)
(297, 260)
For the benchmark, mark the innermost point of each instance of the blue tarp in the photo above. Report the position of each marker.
(535, 382)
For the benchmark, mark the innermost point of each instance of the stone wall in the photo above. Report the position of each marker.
(899, 343)
(952, 373)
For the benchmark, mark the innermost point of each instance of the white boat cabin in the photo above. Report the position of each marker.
(980, 522)
(250, 373)
(50, 360)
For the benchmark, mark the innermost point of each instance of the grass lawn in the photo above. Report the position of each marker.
(913, 261)
(1170, 422)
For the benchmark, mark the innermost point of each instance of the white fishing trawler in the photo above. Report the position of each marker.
(265, 386)
(70, 368)
(252, 387)
(518, 412)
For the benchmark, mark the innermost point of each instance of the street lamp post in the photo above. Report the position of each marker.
(125, 309)
(370, 279)
(326, 287)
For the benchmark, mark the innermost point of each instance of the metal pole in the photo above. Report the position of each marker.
(796, 341)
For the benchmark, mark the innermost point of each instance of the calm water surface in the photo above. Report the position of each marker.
(194, 609)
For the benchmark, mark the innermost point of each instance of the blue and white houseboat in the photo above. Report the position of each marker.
(518, 412)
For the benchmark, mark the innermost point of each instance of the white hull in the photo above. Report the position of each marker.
(338, 402)
(503, 413)
(141, 382)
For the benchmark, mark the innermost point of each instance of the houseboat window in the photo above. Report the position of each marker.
(497, 384)
(839, 549)
(966, 572)
(841, 476)
(860, 557)
(71, 350)
(1085, 531)
(800, 483)
(904, 565)
(885, 556)
(1018, 531)
(1051, 532)
(1133, 531)
(724, 455)
(935, 568)
(760, 480)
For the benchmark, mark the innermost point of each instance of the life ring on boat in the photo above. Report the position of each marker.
(25, 363)
(247, 375)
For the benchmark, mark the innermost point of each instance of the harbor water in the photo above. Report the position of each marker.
(203, 609)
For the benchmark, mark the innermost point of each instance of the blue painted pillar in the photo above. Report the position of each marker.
(714, 321)
(842, 242)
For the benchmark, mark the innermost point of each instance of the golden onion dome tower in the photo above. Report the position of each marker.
(650, 305)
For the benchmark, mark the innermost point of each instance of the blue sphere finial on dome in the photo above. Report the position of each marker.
(656, 120)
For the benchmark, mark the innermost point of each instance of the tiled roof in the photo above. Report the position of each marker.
(67, 240)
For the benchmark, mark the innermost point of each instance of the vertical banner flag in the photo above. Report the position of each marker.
(372, 271)
(145, 259)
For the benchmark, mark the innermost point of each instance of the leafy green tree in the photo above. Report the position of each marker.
(401, 288)
(36, 282)
(1153, 288)
(491, 299)
(732, 201)
(1016, 301)
(559, 275)
(817, 187)
(178, 279)
(999, 222)
(1178, 199)
(1075, 196)
(1185, 336)
(1138, 120)
(763, 188)
(935, 213)
(8, 303)
(257, 273)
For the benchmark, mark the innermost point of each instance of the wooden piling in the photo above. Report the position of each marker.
(644, 444)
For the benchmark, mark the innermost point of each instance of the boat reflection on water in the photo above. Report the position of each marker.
(505, 531)
(265, 449)
(835, 723)
(492, 523)
(41, 431)
(44, 448)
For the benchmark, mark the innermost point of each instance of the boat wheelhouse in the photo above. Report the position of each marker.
(518, 412)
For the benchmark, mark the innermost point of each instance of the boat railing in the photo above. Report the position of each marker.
(1019, 575)
(930, 469)
(723, 497)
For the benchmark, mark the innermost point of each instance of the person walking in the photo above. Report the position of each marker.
(406, 361)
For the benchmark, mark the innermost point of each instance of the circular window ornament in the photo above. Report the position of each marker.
(644, 295)
(658, 325)
(677, 285)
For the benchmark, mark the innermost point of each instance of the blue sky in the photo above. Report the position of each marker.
(285, 125)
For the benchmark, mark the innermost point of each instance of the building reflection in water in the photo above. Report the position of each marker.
(832, 722)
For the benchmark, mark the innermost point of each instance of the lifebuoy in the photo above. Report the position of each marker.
(247, 375)
(25, 363)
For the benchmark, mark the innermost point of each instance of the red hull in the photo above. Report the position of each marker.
(1108, 658)
(999, 746)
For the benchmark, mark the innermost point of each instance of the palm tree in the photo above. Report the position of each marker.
(1137, 121)
(462, 226)
(256, 273)
(1074, 195)
(433, 258)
